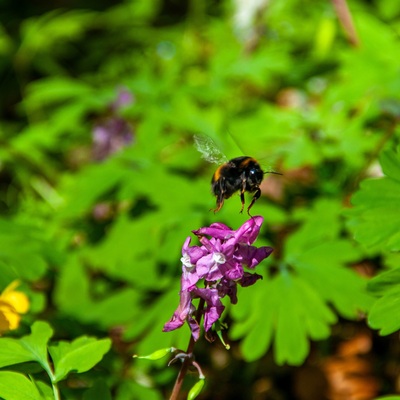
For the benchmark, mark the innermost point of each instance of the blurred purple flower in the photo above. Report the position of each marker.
(219, 262)
(114, 132)
(124, 98)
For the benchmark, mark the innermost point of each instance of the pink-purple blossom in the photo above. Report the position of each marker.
(113, 132)
(218, 265)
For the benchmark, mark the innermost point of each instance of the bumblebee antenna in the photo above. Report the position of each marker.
(272, 172)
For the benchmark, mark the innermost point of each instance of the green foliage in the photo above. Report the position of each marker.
(375, 220)
(375, 217)
(384, 314)
(14, 385)
(78, 356)
(30, 262)
(96, 242)
(311, 275)
(388, 398)
(28, 348)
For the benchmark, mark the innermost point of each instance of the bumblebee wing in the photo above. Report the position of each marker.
(209, 150)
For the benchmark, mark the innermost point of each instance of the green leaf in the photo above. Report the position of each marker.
(325, 35)
(56, 89)
(384, 282)
(23, 251)
(45, 390)
(87, 187)
(291, 344)
(390, 163)
(13, 352)
(375, 217)
(290, 320)
(316, 254)
(40, 34)
(106, 309)
(323, 266)
(388, 398)
(32, 347)
(152, 321)
(36, 343)
(374, 221)
(384, 314)
(78, 356)
(72, 278)
(293, 305)
(253, 322)
(16, 386)
(319, 224)
(295, 321)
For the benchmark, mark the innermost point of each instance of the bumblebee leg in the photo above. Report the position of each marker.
(220, 203)
(220, 195)
(242, 200)
(256, 196)
(242, 192)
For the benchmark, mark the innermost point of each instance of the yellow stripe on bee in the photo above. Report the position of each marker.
(247, 161)
(217, 173)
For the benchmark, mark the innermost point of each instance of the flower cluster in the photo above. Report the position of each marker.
(219, 262)
(12, 304)
(114, 132)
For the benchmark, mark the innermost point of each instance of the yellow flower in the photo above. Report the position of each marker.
(12, 304)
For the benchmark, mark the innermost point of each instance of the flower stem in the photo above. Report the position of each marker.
(56, 392)
(344, 15)
(188, 360)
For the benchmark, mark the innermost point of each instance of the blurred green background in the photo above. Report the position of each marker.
(100, 183)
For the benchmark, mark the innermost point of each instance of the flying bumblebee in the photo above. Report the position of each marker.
(240, 174)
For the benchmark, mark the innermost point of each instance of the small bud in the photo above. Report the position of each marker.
(196, 389)
(218, 329)
(157, 354)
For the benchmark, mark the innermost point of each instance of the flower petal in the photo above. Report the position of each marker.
(194, 252)
(9, 318)
(208, 268)
(249, 279)
(216, 230)
(18, 300)
(251, 256)
(249, 231)
(227, 287)
(194, 327)
(189, 279)
(232, 270)
(181, 313)
(214, 307)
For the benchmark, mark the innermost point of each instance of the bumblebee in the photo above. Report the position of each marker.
(240, 174)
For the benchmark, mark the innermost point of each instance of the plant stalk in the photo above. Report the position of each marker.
(187, 361)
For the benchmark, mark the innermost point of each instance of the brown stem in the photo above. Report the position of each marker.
(187, 361)
(345, 19)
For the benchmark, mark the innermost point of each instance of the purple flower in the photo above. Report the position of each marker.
(114, 132)
(124, 98)
(219, 263)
